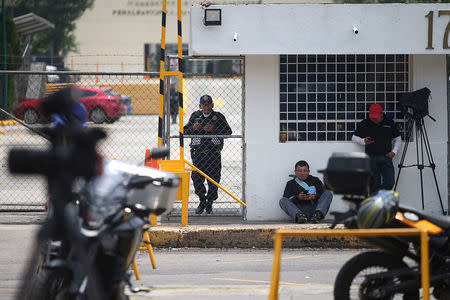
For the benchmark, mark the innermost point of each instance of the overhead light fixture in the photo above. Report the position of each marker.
(213, 16)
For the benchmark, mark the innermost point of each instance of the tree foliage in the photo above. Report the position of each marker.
(14, 58)
(63, 14)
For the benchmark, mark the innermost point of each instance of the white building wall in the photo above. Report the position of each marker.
(318, 28)
(115, 31)
(268, 162)
(429, 71)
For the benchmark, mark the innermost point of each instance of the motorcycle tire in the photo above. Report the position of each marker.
(381, 262)
(40, 283)
(32, 286)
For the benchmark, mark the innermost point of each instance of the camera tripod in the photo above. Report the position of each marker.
(421, 139)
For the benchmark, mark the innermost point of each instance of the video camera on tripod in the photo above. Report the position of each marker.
(415, 104)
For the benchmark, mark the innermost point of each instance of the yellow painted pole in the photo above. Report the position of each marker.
(217, 184)
(135, 269)
(149, 249)
(351, 232)
(172, 73)
(276, 267)
(425, 266)
(162, 70)
(96, 76)
(153, 220)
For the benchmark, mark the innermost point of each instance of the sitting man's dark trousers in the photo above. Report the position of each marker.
(293, 206)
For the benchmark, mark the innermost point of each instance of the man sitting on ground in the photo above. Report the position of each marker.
(305, 198)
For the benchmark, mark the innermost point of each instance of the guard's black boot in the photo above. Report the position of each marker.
(209, 207)
(201, 207)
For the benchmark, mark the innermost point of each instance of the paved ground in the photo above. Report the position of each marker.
(194, 273)
(240, 273)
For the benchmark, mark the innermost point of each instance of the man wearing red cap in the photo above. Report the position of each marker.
(382, 140)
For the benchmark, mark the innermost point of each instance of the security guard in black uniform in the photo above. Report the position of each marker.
(205, 151)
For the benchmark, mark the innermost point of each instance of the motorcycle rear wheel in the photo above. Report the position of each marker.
(32, 282)
(351, 283)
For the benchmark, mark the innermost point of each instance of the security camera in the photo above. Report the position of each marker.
(235, 37)
(355, 30)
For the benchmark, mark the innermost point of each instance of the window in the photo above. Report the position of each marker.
(111, 93)
(86, 93)
(323, 97)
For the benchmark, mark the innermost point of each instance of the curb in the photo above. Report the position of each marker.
(244, 236)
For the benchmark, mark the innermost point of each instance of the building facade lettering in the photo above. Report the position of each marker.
(147, 7)
(430, 17)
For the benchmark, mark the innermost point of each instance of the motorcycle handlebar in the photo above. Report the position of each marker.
(159, 152)
(30, 161)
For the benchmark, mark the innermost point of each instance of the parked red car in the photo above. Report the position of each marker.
(102, 105)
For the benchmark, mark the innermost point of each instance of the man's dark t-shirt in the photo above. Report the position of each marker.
(383, 133)
(293, 188)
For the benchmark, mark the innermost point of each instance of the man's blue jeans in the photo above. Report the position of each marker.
(307, 207)
(383, 173)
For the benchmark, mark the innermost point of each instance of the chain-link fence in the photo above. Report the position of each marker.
(126, 106)
(213, 140)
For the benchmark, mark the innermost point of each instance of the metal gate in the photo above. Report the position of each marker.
(227, 92)
(129, 133)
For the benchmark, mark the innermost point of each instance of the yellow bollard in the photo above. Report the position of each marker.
(177, 167)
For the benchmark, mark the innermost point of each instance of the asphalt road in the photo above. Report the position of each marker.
(200, 273)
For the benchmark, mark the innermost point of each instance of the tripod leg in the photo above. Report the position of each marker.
(420, 159)
(431, 162)
(405, 149)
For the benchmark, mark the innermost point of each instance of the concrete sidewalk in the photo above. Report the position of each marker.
(218, 232)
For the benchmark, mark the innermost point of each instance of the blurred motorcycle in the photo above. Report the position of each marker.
(393, 271)
(87, 244)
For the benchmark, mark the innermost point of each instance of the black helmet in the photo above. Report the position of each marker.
(376, 211)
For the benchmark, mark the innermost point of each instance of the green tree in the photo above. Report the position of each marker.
(63, 14)
(14, 58)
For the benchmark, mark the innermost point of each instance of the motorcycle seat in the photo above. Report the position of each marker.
(441, 221)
